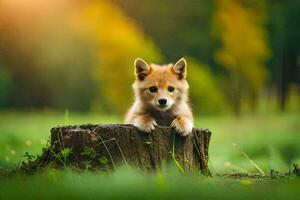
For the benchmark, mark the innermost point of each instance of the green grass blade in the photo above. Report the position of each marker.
(108, 152)
(173, 156)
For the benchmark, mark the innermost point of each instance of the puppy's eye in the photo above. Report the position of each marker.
(171, 89)
(153, 89)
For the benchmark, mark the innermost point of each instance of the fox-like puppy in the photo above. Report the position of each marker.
(161, 97)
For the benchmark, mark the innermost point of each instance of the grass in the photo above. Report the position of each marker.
(132, 184)
(270, 141)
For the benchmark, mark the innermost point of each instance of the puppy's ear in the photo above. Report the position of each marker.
(180, 68)
(142, 69)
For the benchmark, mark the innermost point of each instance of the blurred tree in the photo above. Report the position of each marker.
(119, 41)
(243, 50)
(205, 94)
(5, 84)
(177, 27)
(47, 60)
(283, 27)
(70, 53)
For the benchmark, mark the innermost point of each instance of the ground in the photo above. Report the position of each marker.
(271, 141)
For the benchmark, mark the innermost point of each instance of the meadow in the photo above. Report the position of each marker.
(270, 140)
(242, 58)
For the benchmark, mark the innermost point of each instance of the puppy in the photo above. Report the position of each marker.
(161, 97)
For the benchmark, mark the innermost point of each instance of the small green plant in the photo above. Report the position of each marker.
(103, 160)
(88, 151)
(63, 155)
(29, 157)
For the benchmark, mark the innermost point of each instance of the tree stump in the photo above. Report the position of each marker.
(108, 146)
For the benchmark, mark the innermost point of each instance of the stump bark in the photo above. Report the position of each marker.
(107, 146)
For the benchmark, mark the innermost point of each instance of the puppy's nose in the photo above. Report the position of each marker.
(162, 101)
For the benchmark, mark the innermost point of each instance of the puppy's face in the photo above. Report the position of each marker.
(160, 86)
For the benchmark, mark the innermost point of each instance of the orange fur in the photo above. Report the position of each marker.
(146, 111)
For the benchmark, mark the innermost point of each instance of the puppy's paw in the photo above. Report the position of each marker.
(145, 124)
(182, 125)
